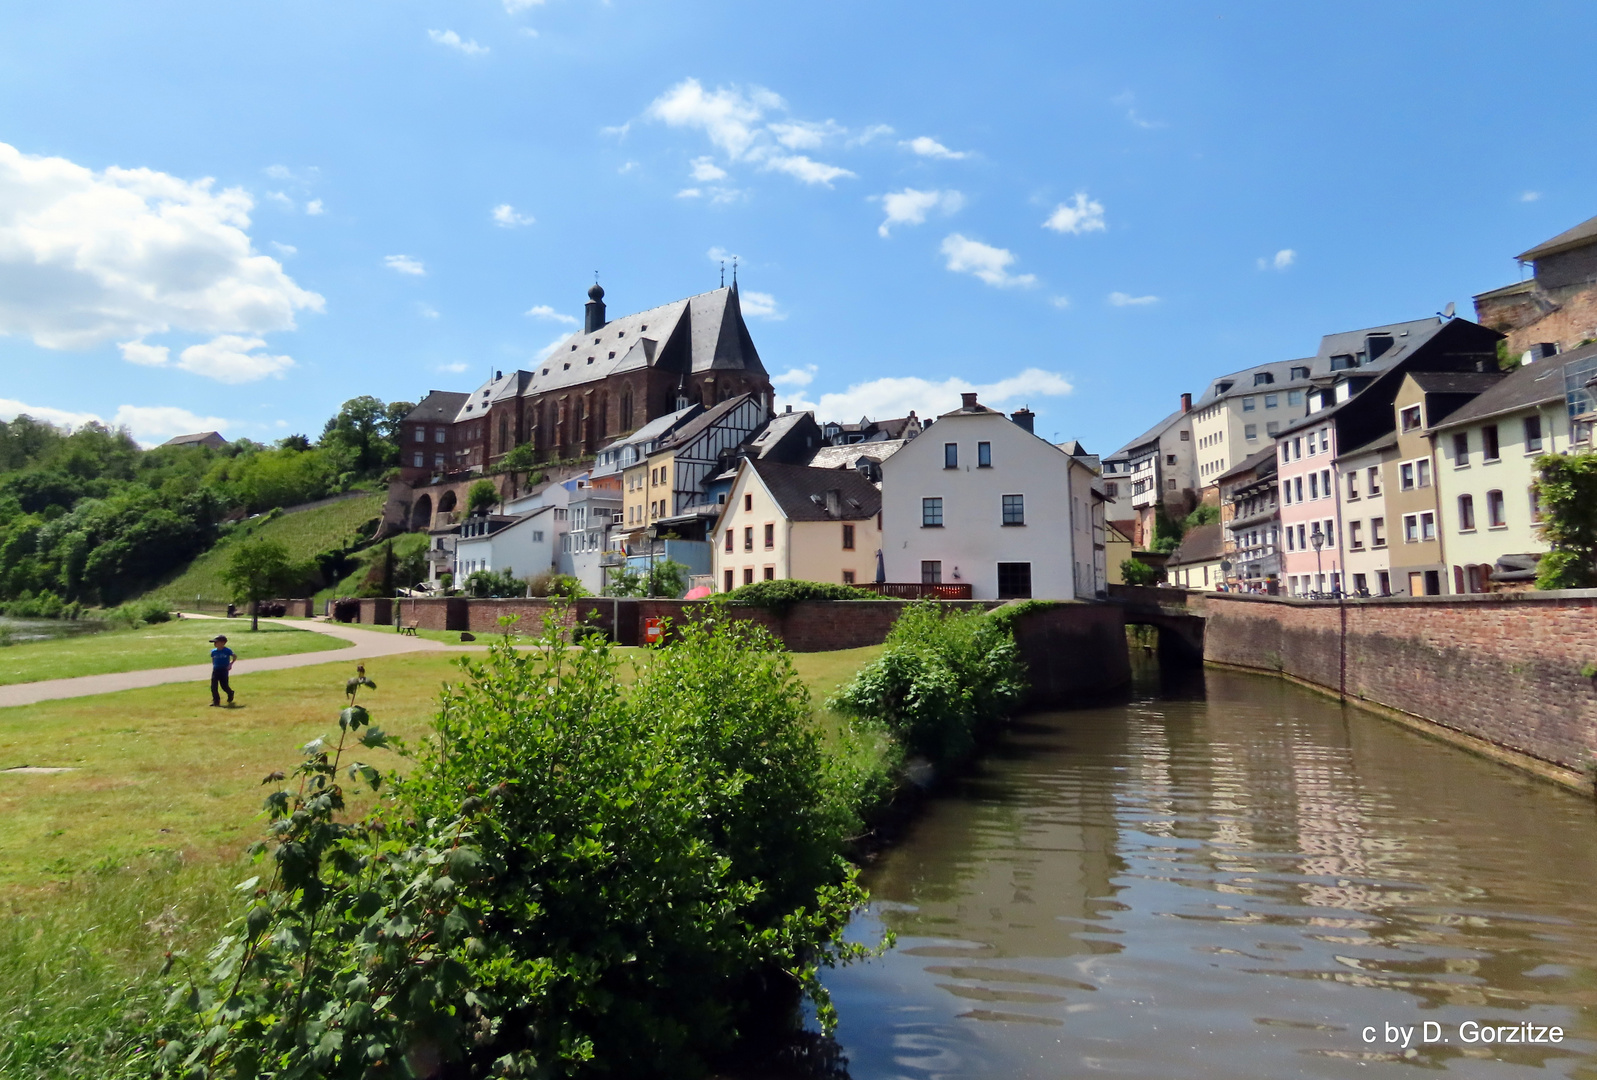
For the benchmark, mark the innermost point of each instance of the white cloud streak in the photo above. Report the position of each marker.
(1081, 215)
(990, 264)
(910, 207)
(797, 377)
(1279, 261)
(451, 40)
(404, 264)
(926, 146)
(314, 207)
(1120, 299)
(505, 217)
(885, 398)
(760, 305)
(705, 170)
(232, 359)
(89, 257)
(544, 311)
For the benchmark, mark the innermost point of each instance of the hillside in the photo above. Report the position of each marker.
(303, 532)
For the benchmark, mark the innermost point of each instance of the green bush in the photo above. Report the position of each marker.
(1137, 572)
(550, 583)
(944, 680)
(1566, 486)
(780, 596)
(483, 583)
(666, 577)
(574, 880)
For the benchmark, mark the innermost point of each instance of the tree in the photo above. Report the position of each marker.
(1137, 572)
(482, 497)
(1566, 487)
(258, 569)
(484, 583)
(365, 433)
(665, 578)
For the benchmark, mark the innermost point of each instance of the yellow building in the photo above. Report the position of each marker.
(792, 521)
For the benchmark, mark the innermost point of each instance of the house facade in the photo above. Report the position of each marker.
(524, 546)
(1240, 414)
(1361, 473)
(1195, 563)
(978, 499)
(1486, 455)
(784, 521)
(1250, 517)
(1555, 309)
(1157, 468)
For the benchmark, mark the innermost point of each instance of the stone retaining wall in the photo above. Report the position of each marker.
(1503, 667)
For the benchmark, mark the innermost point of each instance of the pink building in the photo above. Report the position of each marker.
(1304, 457)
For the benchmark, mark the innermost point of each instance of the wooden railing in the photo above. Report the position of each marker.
(915, 590)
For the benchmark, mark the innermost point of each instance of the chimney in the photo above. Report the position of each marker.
(1186, 403)
(1023, 418)
(834, 502)
(967, 401)
(498, 375)
(790, 408)
(593, 310)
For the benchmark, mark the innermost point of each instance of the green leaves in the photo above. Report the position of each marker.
(1566, 491)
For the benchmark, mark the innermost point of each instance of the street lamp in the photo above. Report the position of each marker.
(1318, 539)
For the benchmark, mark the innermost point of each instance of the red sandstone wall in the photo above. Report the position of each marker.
(1501, 667)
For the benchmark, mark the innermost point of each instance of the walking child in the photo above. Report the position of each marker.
(221, 663)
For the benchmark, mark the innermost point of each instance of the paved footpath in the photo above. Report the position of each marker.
(367, 644)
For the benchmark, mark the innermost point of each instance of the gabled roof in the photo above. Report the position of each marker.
(1238, 383)
(800, 491)
(199, 438)
(496, 389)
(1568, 240)
(1406, 337)
(1150, 435)
(1203, 543)
(1531, 385)
(780, 427)
(438, 405)
(1249, 463)
(658, 427)
(1456, 382)
(716, 339)
(845, 457)
(695, 427)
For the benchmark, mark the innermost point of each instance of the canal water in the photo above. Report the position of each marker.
(1230, 877)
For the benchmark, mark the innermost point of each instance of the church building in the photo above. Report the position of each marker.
(599, 384)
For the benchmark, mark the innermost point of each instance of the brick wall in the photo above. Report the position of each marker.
(377, 612)
(1501, 667)
(1072, 650)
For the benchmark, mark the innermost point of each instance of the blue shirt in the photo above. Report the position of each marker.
(221, 658)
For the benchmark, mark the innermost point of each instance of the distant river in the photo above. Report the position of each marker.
(1233, 878)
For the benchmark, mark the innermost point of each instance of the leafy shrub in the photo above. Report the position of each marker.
(944, 680)
(1566, 486)
(667, 577)
(550, 583)
(780, 596)
(481, 497)
(483, 583)
(572, 881)
(1137, 572)
(1560, 570)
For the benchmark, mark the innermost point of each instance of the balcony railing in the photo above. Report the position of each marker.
(915, 590)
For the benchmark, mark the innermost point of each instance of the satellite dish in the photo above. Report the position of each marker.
(1447, 312)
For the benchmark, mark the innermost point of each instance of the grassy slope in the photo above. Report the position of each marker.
(404, 544)
(184, 641)
(303, 532)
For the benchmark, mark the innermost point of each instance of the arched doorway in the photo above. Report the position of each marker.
(421, 515)
(446, 503)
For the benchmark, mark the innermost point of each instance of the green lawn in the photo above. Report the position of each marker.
(171, 644)
(303, 532)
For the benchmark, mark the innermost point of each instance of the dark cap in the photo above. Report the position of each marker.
(219, 637)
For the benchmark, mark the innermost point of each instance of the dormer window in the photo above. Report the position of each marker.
(568, 366)
(596, 341)
(645, 326)
(1260, 378)
(1300, 373)
(612, 355)
(621, 333)
(1343, 362)
(546, 371)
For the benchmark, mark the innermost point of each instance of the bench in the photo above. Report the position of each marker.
(410, 630)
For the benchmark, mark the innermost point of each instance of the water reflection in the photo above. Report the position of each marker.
(1237, 881)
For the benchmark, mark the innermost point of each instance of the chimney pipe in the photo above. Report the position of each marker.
(1023, 418)
(1186, 403)
(967, 401)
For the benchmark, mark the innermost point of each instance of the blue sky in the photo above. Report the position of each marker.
(241, 214)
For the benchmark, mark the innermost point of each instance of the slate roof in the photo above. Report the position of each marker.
(1533, 384)
(1456, 382)
(1581, 235)
(778, 427)
(1380, 442)
(698, 424)
(496, 389)
(199, 438)
(1203, 543)
(1148, 436)
(844, 457)
(1406, 337)
(713, 322)
(1249, 463)
(438, 405)
(1280, 372)
(800, 491)
(657, 427)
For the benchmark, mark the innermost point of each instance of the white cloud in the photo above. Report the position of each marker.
(544, 311)
(795, 377)
(910, 207)
(732, 118)
(926, 146)
(1120, 299)
(1060, 302)
(136, 352)
(284, 249)
(457, 368)
(157, 423)
(150, 424)
(314, 207)
(548, 350)
(627, 167)
(720, 254)
(1279, 261)
(281, 199)
(452, 40)
(897, 396)
(1530, 196)
(689, 193)
(89, 257)
(760, 305)
(230, 358)
(11, 409)
(991, 264)
(516, 7)
(802, 168)
(404, 264)
(1083, 215)
(1129, 100)
(805, 134)
(427, 311)
(505, 217)
(871, 133)
(279, 172)
(618, 130)
(705, 170)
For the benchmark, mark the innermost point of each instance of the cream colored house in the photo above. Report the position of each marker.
(792, 521)
(1366, 526)
(1196, 563)
(1486, 465)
